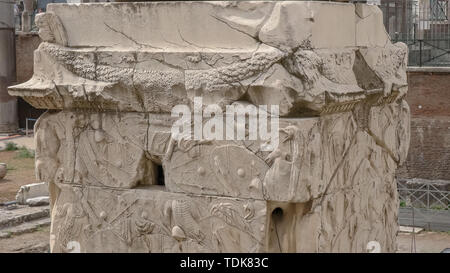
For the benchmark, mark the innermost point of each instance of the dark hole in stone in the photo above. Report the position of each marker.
(277, 214)
(160, 178)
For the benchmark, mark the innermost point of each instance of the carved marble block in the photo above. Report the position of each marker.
(111, 73)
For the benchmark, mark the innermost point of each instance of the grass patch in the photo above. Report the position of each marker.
(25, 153)
(439, 207)
(11, 146)
(20, 172)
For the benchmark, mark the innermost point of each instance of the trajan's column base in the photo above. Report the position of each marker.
(110, 74)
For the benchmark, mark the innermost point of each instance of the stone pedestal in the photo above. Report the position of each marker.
(120, 181)
(27, 15)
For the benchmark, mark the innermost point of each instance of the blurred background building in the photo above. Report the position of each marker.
(423, 25)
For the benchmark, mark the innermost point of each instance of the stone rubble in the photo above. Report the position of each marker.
(38, 201)
(31, 191)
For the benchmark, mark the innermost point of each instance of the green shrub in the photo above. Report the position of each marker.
(11, 146)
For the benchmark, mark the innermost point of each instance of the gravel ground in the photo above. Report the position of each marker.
(35, 242)
(426, 242)
(20, 172)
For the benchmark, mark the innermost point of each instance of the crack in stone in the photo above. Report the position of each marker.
(164, 62)
(131, 39)
(59, 93)
(95, 106)
(383, 145)
(344, 157)
(198, 46)
(234, 28)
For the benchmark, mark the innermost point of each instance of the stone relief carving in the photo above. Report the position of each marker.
(119, 181)
(50, 28)
(156, 221)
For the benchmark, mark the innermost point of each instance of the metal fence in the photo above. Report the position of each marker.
(423, 25)
(424, 195)
(425, 204)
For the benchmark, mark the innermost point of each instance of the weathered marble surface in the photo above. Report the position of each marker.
(308, 57)
(112, 73)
